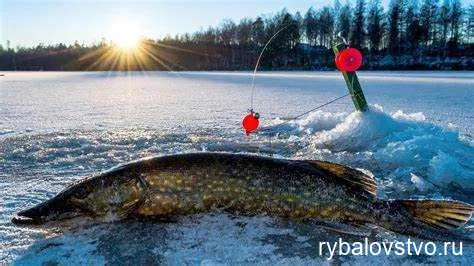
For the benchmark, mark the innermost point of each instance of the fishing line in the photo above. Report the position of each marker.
(288, 119)
(319, 107)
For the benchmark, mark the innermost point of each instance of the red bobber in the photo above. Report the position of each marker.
(349, 60)
(250, 123)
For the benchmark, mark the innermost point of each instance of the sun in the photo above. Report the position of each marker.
(125, 34)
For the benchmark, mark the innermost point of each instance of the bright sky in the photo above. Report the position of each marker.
(29, 22)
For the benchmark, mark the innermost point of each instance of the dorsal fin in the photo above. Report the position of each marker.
(351, 177)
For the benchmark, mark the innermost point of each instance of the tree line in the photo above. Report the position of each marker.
(408, 34)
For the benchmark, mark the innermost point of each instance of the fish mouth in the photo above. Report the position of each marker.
(24, 220)
(28, 216)
(33, 217)
(53, 209)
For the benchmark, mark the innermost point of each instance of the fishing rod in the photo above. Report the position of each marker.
(252, 95)
(251, 121)
(347, 60)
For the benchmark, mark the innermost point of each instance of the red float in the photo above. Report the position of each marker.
(349, 60)
(250, 123)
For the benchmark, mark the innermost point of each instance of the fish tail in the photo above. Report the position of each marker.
(441, 214)
(433, 219)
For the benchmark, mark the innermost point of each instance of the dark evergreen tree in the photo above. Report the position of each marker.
(394, 27)
(470, 24)
(427, 21)
(310, 26)
(357, 36)
(374, 25)
(443, 22)
(455, 21)
(344, 25)
(326, 21)
(412, 30)
(258, 32)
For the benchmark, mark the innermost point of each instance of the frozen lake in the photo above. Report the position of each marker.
(417, 140)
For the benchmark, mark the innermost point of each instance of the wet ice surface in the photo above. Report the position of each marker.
(58, 127)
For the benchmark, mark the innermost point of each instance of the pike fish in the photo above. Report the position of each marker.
(246, 184)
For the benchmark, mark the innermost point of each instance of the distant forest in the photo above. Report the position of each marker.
(409, 34)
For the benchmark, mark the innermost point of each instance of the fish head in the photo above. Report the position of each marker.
(108, 197)
(56, 208)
